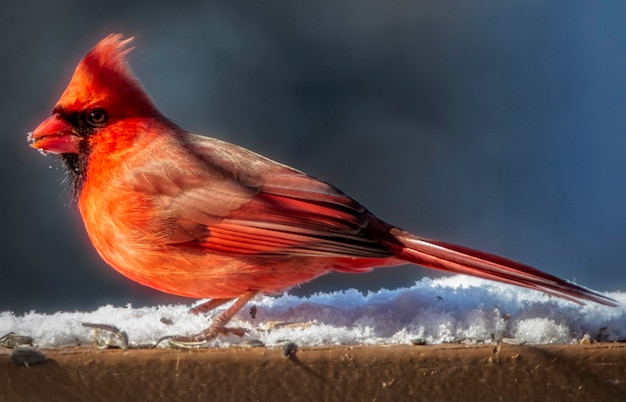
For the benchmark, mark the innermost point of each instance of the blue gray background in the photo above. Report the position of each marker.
(497, 125)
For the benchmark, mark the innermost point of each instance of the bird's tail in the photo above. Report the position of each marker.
(462, 260)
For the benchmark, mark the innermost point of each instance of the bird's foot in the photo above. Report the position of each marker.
(218, 327)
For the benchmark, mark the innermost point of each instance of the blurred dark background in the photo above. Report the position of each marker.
(497, 125)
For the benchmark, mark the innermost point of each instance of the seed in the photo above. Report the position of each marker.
(27, 357)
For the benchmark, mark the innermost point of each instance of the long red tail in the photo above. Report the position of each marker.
(463, 260)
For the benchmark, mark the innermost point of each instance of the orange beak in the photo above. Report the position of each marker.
(55, 135)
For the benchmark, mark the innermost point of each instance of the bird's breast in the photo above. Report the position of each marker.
(130, 232)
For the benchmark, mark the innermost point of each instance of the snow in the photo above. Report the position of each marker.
(451, 309)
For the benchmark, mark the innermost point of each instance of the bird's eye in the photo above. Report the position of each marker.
(96, 117)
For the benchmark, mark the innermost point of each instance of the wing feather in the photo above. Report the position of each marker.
(243, 203)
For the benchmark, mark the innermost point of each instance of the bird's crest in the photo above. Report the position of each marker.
(109, 53)
(104, 76)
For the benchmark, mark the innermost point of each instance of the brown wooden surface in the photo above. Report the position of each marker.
(362, 373)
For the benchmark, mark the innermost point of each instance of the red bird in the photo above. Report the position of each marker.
(199, 217)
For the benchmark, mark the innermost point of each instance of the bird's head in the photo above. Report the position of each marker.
(102, 92)
(103, 109)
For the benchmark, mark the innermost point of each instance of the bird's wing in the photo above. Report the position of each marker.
(233, 209)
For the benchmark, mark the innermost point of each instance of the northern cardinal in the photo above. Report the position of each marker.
(199, 217)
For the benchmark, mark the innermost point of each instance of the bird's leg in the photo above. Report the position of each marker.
(208, 306)
(203, 337)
